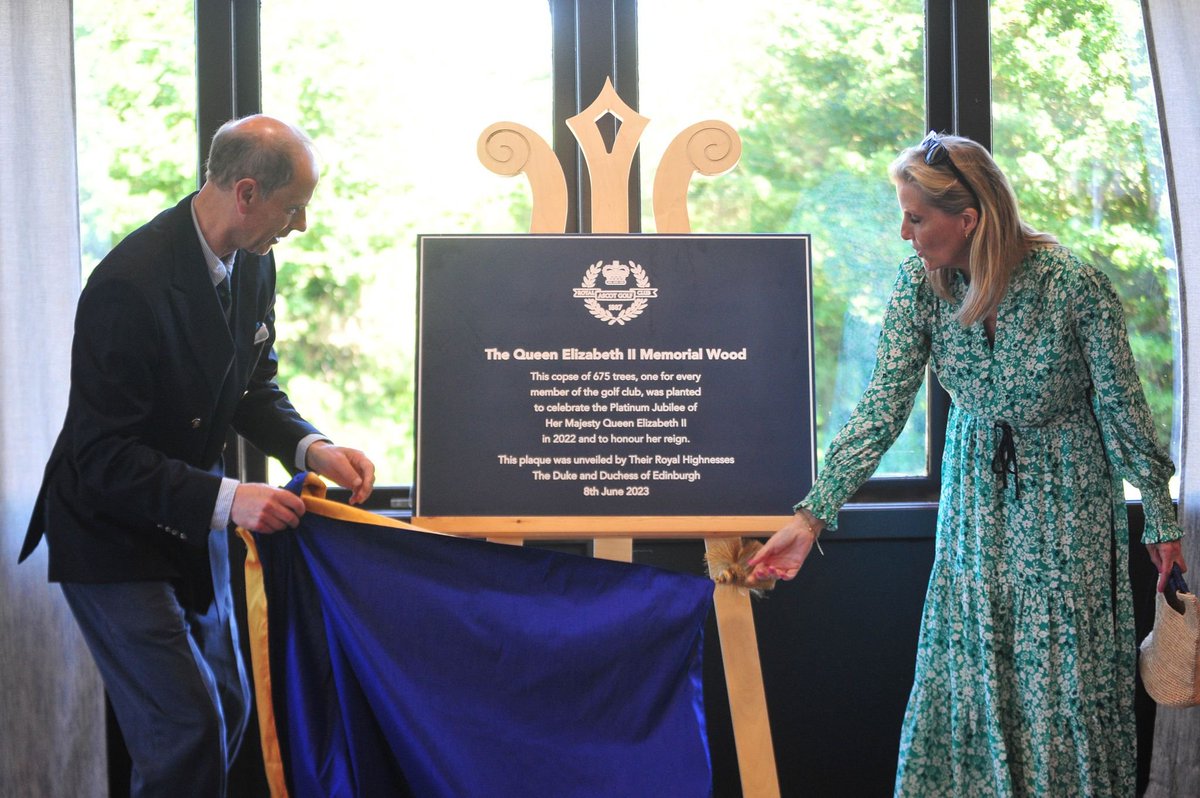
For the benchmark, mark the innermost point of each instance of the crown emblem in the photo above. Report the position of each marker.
(615, 273)
(615, 305)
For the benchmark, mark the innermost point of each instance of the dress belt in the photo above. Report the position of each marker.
(1004, 461)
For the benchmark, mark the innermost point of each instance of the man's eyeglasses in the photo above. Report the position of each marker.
(936, 154)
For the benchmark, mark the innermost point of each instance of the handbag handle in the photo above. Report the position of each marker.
(1175, 584)
(1175, 580)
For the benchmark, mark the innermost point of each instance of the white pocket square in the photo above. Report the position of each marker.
(260, 333)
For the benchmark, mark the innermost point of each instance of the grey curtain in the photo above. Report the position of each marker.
(52, 716)
(1173, 28)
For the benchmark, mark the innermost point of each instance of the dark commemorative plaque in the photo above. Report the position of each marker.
(613, 375)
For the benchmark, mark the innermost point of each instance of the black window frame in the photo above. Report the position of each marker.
(594, 41)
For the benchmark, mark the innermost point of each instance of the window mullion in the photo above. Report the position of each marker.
(972, 71)
(593, 42)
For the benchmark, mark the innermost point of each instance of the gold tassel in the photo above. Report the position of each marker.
(726, 559)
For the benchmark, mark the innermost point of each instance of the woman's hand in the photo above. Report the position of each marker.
(1164, 555)
(782, 555)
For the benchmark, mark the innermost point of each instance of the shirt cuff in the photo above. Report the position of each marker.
(819, 511)
(302, 449)
(224, 507)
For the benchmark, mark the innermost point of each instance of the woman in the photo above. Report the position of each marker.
(1025, 667)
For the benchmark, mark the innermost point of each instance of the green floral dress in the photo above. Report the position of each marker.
(1025, 668)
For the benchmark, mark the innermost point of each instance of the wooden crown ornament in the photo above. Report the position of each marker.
(710, 147)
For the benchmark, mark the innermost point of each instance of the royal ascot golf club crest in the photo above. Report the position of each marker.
(615, 301)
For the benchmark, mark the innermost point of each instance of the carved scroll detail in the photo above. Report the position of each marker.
(508, 148)
(710, 148)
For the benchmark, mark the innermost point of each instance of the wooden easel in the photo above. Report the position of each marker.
(711, 148)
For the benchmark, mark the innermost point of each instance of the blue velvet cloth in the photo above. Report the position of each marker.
(412, 664)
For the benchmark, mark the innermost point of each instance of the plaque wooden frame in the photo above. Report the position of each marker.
(711, 148)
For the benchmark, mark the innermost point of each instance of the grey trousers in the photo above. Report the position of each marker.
(175, 679)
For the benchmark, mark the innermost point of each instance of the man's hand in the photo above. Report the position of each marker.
(262, 508)
(349, 468)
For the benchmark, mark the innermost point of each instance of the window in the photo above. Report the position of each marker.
(135, 73)
(824, 95)
(1076, 130)
(395, 97)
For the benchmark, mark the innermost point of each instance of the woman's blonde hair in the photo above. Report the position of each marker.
(1000, 240)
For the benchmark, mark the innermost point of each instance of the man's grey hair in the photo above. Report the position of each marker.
(237, 152)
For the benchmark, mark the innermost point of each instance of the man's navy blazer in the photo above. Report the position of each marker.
(157, 379)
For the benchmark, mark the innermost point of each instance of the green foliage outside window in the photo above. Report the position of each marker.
(135, 72)
(839, 92)
(1076, 129)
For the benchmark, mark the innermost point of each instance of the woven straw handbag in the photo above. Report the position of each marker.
(1170, 654)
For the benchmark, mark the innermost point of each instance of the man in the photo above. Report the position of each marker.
(173, 345)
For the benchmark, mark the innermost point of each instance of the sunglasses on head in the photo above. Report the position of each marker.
(936, 154)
